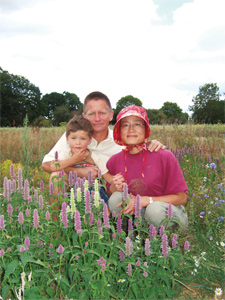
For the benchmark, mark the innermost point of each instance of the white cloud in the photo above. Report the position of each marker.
(117, 47)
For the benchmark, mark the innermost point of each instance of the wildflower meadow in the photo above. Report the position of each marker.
(85, 254)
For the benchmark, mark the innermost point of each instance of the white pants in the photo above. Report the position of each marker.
(154, 213)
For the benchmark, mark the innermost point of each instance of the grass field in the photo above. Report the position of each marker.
(71, 270)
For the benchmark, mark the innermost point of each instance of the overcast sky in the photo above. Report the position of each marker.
(155, 50)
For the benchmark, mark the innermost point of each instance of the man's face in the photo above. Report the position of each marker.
(98, 114)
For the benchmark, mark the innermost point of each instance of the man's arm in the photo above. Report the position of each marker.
(155, 146)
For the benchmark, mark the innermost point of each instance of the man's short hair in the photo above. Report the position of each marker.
(96, 96)
(79, 123)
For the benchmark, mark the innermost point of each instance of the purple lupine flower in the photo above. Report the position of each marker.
(129, 246)
(125, 191)
(170, 211)
(147, 247)
(26, 190)
(145, 273)
(152, 231)
(9, 189)
(41, 203)
(12, 171)
(27, 212)
(47, 215)
(51, 189)
(90, 178)
(137, 212)
(106, 216)
(27, 242)
(29, 199)
(164, 245)
(121, 255)
(100, 230)
(9, 249)
(186, 246)
(161, 230)
(5, 187)
(101, 262)
(99, 222)
(60, 249)
(91, 219)
(20, 180)
(64, 215)
(56, 156)
(174, 241)
(2, 252)
(22, 249)
(87, 202)
(129, 270)
(119, 224)
(20, 218)
(35, 219)
(77, 222)
(114, 214)
(70, 179)
(114, 235)
(130, 227)
(42, 186)
(138, 263)
(9, 210)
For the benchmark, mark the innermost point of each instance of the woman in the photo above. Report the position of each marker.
(155, 176)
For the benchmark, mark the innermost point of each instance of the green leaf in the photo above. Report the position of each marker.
(11, 268)
(6, 288)
(50, 292)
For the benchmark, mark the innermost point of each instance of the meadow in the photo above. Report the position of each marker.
(85, 254)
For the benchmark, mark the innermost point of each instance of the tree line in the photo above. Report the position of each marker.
(20, 97)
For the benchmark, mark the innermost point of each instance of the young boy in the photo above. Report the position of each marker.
(79, 133)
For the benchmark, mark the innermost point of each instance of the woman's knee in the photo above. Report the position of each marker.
(114, 200)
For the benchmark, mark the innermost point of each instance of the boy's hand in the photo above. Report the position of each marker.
(78, 155)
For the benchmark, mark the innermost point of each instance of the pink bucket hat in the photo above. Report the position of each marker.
(128, 111)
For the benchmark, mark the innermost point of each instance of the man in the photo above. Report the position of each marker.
(97, 109)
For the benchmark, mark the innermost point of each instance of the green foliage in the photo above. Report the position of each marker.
(207, 107)
(18, 98)
(156, 116)
(173, 113)
(42, 122)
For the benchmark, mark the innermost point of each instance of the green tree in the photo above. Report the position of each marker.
(19, 98)
(72, 102)
(207, 106)
(124, 102)
(50, 102)
(156, 116)
(173, 112)
(61, 114)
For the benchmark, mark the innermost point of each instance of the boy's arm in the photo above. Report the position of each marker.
(108, 177)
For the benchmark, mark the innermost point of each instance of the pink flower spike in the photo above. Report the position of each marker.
(27, 242)
(147, 247)
(138, 263)
(164, 245)
(129, 270)
(60, 249)
(26, 190)
(42, 186)
(119, 224)
(77, 222)
(9, 210)
(100, 230)
(64, 215)
(12, 171)
(170, 211)
(114, 235)
(35, 219)
(27, 212)
(20, 218)
(22, 249)
(106, 216)
(47, 215)
(2, 252)
(186, 246)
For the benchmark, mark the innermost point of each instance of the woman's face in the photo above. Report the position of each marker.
(132, 130)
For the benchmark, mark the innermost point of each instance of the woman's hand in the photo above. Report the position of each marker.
(118, 181)
(130, 208)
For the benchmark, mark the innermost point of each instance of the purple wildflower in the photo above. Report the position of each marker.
(9, 249)
(152, 231)
(161, 230)
(35, 196)
(2, 252)
(26, 190)
(138, 207)
(129, 270)
(101, 262)
(5, 187)
(41, 203)
(130, 227)
(170, 211)
(147, 247)
(114, 214)
(99, 222)
(9, 210)
(90, 178)
(121, 255)
(125, 191)
(186, 246)
(212, 166)
(51, 189)
(29, 199)
(114, 235)
(12, 171)
(100, 230)
(164, 245)
(106, 216)
(56, 156)
(20, 180)
(20, 218)
(119, 224)
(145, 273)
(60, 249)
(129, 246)
(35, 219)
(64, 215)
(77, 222)
(174, 241)
(22, 249)
(138, 263)
(220, 219)
(27, 212)
(42, 186)
(87, 203)
(27, 242)
(47, 215)
(91, 219)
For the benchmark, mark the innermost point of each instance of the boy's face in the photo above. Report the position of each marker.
(132, 130)
(78, 140)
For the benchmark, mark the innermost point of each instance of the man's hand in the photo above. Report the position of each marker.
(155, 146)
